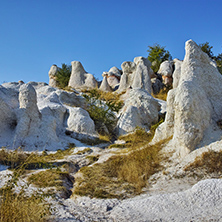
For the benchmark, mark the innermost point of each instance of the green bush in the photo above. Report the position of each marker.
(157, 54)
(63, 75)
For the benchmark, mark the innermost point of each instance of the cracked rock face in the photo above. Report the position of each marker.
(196, 102)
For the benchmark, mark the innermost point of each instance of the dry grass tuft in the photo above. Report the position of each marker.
(48, 178)
(208, 162)
(162, 94)
(19, 208)
(122, 175)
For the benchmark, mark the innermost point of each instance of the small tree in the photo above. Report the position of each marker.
(205, 47)
(157, 54)
(63, 75)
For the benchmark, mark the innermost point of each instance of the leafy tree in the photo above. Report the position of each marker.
(63, 75)
(157, 54)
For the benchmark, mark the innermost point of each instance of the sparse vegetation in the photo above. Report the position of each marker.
(86, 150)
(101, 108)
(17, 158)
(49, 178)
(19, 206)
(163, 93)
(122, 175)
(209, 162)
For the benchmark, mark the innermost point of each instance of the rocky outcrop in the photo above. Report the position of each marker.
(80, 79)
(36, 116)
(140, 110)
(195, 105)
(52, 75)
(136, 75)
(105, 85)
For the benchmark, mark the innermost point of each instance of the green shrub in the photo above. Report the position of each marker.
(63, 76)
(157, 55)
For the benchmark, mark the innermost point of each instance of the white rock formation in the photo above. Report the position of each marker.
(80, 79)
(166, 70)
(105, 85)
(177, 72)
(35, 115)
(140, 110)
(136, 75)
(196, 103)
(52, 75)
(80, 121)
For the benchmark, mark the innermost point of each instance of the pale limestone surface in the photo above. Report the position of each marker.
(140, 110)
(80, 121)
(166, 69)
(52, 75)
(136, 75)
(105, 85)
(194, 105)
(177, 72)
(80, 79)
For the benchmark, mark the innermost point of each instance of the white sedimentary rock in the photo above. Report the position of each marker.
(105, 85)
(195, 104)
(140, 110)
(177, 72)
(80, 121)
(80, 79)
(200, 203)
(136, 75)
(52, 75)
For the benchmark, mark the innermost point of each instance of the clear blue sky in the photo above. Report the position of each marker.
(34, 34)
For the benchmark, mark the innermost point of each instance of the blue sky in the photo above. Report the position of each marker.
(34, 34)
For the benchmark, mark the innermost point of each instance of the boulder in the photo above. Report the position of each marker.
(195, 104)
(140, 110)
(80, 79)
(79, 121)
(166, 70)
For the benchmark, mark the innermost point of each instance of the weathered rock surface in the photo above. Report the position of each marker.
(166, 70)
(105, 85)
(80, 79)
(195, 104)
(52, 75)
(35, 115)
(203, 202)
(80, 121)
(136, 75)
(140, 110)
(177, 72)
